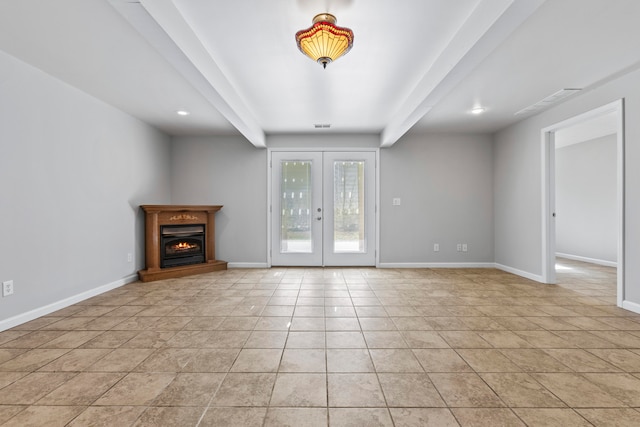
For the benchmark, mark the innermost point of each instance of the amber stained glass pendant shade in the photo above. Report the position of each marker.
(324, 42)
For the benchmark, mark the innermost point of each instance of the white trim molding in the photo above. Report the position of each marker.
(63, 303)
(586, 259)
(631, 306)
(548, 192)
(437, 265)
(232, 265)
(521, 273)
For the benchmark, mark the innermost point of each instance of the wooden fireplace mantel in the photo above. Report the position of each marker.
(159, 215)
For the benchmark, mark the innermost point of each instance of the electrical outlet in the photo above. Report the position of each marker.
(464, 247)
(459, 247)
(129, 258)
(436, 247)
(396, 201)
(7, 288)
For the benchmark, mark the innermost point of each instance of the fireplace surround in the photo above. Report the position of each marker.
(179, 241)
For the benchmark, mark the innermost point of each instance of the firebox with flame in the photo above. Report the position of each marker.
(184, 246)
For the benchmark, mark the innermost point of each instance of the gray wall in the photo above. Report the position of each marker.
(517, 199)
(517, 180)
(226, 171)
(445, 183)
(587, 222)
(323, 140)
(230, 171)
(446, 191)
(73, 171)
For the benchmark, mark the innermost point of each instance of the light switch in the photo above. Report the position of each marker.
(396, 201)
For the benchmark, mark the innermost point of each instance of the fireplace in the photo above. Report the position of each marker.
(182, 245)
(179, 241)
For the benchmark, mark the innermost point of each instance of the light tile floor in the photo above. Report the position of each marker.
(338, 347)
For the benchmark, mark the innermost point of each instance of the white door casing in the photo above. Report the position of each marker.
(323, 208)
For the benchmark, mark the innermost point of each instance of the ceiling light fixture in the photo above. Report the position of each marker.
(182, 113)
(324, 42)
(477, 110)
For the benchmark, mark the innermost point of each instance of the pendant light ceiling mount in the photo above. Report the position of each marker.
(324, 42)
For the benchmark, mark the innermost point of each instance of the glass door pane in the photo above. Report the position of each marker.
(348, 207)
(295, 207)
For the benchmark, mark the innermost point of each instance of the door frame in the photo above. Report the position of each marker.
(376, 152)
(549, 192)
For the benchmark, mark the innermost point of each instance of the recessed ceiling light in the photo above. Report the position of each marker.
(182, 113)
(477, 110)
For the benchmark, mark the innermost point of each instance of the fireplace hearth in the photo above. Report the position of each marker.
(179, 241)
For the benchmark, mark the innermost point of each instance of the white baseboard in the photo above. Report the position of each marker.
(436, 265)
(589, 260)
(511, 270)
(520, 273)
(58, 305)
(247, 265)
(631, 306)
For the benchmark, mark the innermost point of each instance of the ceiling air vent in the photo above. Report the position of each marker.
(322, 125)
(548, 101)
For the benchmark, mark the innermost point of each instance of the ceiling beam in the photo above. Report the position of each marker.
(162, 25)
(487, 27)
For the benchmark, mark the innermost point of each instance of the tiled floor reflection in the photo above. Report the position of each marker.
(338, 347)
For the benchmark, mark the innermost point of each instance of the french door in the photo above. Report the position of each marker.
(323, 208)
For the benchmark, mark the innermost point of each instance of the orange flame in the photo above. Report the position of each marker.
(183, 246)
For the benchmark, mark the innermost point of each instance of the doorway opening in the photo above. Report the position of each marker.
(595, 244)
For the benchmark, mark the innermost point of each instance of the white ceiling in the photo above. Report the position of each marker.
(415, 64)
